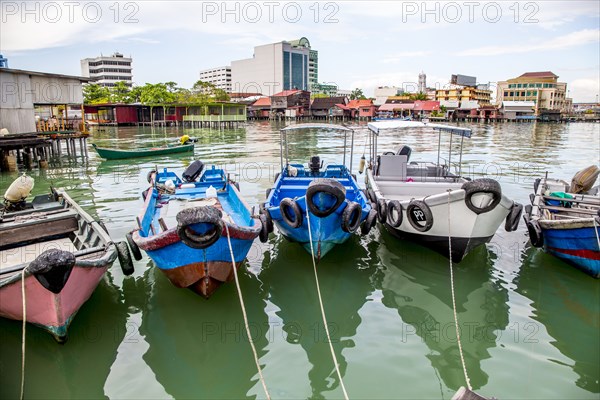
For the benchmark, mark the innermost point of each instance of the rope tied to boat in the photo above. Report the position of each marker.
(596, 232)
(246, 324)
(335, 361)
(24, 300)
(462, 358)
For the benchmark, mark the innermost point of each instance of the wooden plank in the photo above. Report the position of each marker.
(34, 232)
(590, 201)
(573, 210)
(28, 253)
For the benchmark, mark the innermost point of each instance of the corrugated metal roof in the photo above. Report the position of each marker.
(518, 104)
(359, 103)
(262, 102)
(396, 107)
(543, 74)
(469, 105)
(286, 93)
(426, 105)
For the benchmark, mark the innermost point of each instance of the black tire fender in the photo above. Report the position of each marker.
(268, 218)
(484, 185)
(124, 258)
(135, 250)
(513, 217)
(536, 237)
(371, 195)
(149, 175)
(290, 212)
(267, 193)
(382, 210)
(351, 217)
(196, 215)
(263, 235)
(276, 176)
(325, 185)
(369, 222)
(145, 194)
(536, 184)
(394, 219)
(417, 212)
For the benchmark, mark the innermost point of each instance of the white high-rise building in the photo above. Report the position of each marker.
(107, 70)
(422, 82)
(219, 76)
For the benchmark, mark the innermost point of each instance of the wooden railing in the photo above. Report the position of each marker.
(215, 118)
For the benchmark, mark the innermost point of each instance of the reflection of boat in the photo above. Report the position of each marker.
(336, 205)
(567, 303)
(566, 222)
(119, 154)
(345, 288)
(185, 228)
(61, 253)
(415, 200)
(415, 285)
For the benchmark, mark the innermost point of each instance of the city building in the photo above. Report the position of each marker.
(313, 61)
(383, 93)
(107, 70)
(273, 68)
(422, 82)
(463, 80)
(542, 88)
(323, 88)
(517, 110)
(219, 76)
(324, 107)
(3, 61)
(464, 93)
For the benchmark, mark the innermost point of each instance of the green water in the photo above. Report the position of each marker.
(530, 323)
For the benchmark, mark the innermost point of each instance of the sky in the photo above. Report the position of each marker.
(361, 44)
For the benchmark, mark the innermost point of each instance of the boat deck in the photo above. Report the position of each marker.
(26, 254)
(168, 212)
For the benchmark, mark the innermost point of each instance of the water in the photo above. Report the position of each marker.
(530, 324)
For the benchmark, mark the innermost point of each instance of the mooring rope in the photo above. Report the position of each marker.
(596, 232)
(462, 358)
(24, 300)
(335, 361)
(246, 324)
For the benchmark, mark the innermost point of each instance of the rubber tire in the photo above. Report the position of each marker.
(191, 216)
(124, 258)
(426, 210)
(513, 217)
(394, 205)
(289, 204)
(329, 186)
(351, 217)
(484, 185)
(276, 176)
(135, 250)
(267, 215)
(369, 222)
(536, 237)
(263, 235)
(382, 210)
(149, 174)
(536, 184)
(267, 193)
(371, 195)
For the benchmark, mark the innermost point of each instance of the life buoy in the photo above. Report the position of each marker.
(536, 237)
(369, 222)
(263, 235)
(135, 250)
(351, 217)
(513, 217)
(381, 210)
(124, 258)
(394, 211)
(331, 188)
(419, 215)
(290, 212)
(484, 185)
(199, 215)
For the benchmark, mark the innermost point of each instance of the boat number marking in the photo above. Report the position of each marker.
(418, 214)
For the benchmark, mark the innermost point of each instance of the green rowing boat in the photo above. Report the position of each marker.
(117, 154)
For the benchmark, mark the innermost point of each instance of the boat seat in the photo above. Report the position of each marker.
(392, 167)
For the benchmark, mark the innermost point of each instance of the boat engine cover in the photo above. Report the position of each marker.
(315, 164)
(192, 172)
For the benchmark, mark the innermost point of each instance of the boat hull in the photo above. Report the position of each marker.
(576, 246)
(114, 154)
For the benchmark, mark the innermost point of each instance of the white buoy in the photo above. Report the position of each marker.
(361, 165)
(19, 189)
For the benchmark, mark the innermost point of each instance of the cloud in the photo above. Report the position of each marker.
(572, 39)
(584, 90)
(399, 57)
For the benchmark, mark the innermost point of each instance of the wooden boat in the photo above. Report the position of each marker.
(566, 223)
(336, 205)
(415, 200)
(61, 253)
(119, 154)
(184, 228)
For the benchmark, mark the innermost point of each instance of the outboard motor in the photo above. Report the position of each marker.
(315, 165)
(192, 172)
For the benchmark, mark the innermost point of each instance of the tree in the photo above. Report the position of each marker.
(357, 94)
(418, 96)
(95, 94)
(156, 95)
(119, 93)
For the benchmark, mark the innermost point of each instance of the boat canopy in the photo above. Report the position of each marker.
(316, 126)
(377, 126)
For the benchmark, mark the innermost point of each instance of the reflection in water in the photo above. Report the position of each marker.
(79, 368)
(567, 302)
(345, 286)
(199, 348)
(416, 282)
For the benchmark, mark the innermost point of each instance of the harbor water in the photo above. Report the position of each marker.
(530, 324)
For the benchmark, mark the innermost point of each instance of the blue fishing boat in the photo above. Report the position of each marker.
(190, 226)
(322, 206)
(565, 219)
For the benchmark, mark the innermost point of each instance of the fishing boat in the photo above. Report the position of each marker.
(564, 219)
(325, 205)
(190, 227)
(119, 154)
(427, 203)
(57, 252)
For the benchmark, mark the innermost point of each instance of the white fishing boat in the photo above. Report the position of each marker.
(425, 202)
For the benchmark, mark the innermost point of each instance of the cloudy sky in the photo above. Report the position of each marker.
(361, 43)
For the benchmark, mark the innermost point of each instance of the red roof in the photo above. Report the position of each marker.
(544, 74)
(426, 105)
(359, 103)
(262, 102)
(286, 93)
(398, 106)
(342, 106)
